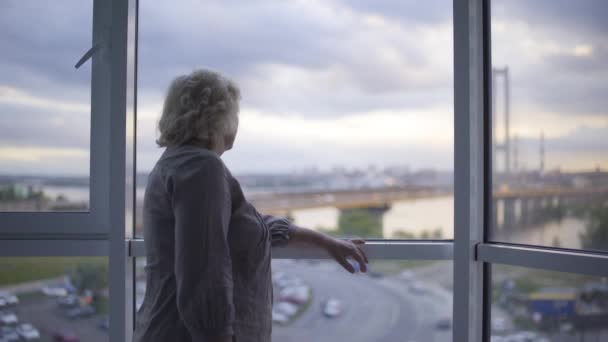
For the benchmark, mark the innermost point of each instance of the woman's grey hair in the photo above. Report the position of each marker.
(200, 108)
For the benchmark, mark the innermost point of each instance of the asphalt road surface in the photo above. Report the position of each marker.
(374, 309)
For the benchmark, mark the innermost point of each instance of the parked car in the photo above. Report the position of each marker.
(9, 334)
(282, 280)
(279, 318)
(68, 301)
(3, 303)
(54, 291)
(65, 336)
(80, 312)
(332, 307)
(296, 294)
(286, 308)
(8, 318)
(28, 332)
(9, 298)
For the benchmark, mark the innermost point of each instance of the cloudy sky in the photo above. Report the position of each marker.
(324, 82)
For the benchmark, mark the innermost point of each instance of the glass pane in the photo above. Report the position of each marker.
(550, 123)
(54, 299)
(534, 305)
(317, 300)
(44, 105)
(346, 113)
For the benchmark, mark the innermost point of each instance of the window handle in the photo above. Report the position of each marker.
(87, 55)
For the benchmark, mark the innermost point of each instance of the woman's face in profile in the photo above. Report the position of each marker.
(229, 139)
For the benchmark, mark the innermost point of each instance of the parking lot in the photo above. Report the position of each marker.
(44, 313)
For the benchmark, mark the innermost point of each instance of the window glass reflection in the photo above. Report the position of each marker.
(44, 105)
(346, 120)
(550, 155)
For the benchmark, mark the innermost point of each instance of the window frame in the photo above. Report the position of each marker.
(93, 223)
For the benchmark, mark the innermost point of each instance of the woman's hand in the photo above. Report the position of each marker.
(341, 249)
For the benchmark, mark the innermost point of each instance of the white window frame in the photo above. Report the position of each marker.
(107, 230)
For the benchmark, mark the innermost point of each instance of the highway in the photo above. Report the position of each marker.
(375, 309)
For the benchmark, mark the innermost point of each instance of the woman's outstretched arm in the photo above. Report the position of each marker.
(286, 233)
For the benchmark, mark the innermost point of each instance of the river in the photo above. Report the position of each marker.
(416, 217)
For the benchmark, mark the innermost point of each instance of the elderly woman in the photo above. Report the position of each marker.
(208, 249)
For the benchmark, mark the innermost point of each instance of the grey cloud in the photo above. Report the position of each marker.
(31, 127)
(424, 12)
(561, 82)
(565, 16)
(41, 42)
(239, 42)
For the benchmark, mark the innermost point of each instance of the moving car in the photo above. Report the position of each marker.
(418, 287)
(332, 307)
(406, 275)
(28, 332)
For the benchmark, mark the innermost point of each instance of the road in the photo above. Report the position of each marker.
(375, 309)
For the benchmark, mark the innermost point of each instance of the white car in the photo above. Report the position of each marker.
(9, 298)
(282, 280)
(28, 332)
(279, 318)
(406, 275)
(286, 308)
(297, 294)
(3, 302)
(418, 287)
(54, 291)
(8, 318)
(332, 307)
